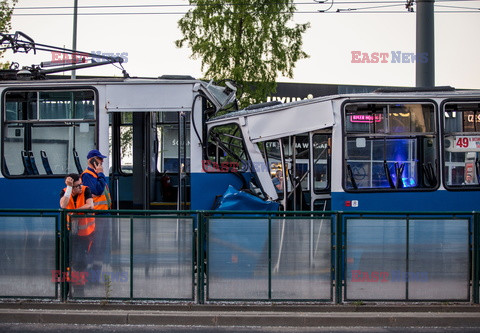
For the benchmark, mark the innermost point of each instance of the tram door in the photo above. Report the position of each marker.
(134, 147)
(304, 162)
(320, 159)
(150, 160)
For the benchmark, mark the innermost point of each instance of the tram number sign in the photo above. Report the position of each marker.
(467, 142)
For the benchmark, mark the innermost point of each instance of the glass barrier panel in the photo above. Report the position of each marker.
(27, 256)
(162, 258)
(237, 258)
(301, 259)
(438, 260)
(100, 262)
(375, 259)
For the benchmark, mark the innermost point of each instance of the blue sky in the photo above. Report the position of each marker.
(149, 40)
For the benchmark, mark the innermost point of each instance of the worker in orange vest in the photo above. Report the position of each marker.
(95, 179)
(82, 229)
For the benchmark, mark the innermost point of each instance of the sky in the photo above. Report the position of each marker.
(149, 39)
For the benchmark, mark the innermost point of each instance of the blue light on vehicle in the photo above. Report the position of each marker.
(408, 182)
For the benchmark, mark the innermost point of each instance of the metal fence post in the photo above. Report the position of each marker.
(338, 257)
(475, 257)
(269, 257)
(131, 257)
(63, 256)
(200, 259)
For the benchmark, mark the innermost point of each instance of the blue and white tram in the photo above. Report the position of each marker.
(391, 150)
(143, 125)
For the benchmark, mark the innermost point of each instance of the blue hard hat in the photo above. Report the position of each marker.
(95, 153)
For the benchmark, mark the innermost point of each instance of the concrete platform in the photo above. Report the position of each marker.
(244, 315)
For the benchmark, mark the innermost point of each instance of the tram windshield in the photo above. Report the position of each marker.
(390, 146)
(226, 151)
(462, 144)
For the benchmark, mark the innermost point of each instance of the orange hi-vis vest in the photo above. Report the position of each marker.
(86, 225)
(102, 201)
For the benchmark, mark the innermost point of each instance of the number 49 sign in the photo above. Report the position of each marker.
(462, 143)
(467, 142)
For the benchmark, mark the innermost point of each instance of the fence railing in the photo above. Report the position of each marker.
(212, 256)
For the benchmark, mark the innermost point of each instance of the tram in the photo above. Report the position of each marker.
(391, 150)
(142, 125)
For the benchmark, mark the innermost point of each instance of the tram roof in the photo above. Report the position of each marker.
(395, 93)
(315, 114)
(101, 80)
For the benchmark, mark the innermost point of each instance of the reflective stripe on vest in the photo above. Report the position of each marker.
(100, 202)
(86, 225)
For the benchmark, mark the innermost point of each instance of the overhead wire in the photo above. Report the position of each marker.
(358, 10)
(373, 7)
(316, 3)
(457, 7)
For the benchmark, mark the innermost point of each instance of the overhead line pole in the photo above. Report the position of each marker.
(74, 43)
(425, 70)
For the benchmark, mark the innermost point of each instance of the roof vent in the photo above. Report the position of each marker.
(413, 89)
(176, 77)
(262, 105)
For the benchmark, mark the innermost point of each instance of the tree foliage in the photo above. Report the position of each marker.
(6, 11)
(248, 41)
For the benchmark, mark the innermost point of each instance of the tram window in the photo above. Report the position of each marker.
(126, 142)
(167, 132)
(167, 135)
(66, 105)
(461, 145)
(390, 146)
(321, 174)
(321, 145)
(225, 150)
(271, 154)
(296, 149)
(37, 140)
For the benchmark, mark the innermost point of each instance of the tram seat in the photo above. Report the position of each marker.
(32, 163)
(46, 164)
(77, 162)
(26, 163)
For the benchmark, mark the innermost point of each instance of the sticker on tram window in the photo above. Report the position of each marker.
(462, 143)
(364, 118)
